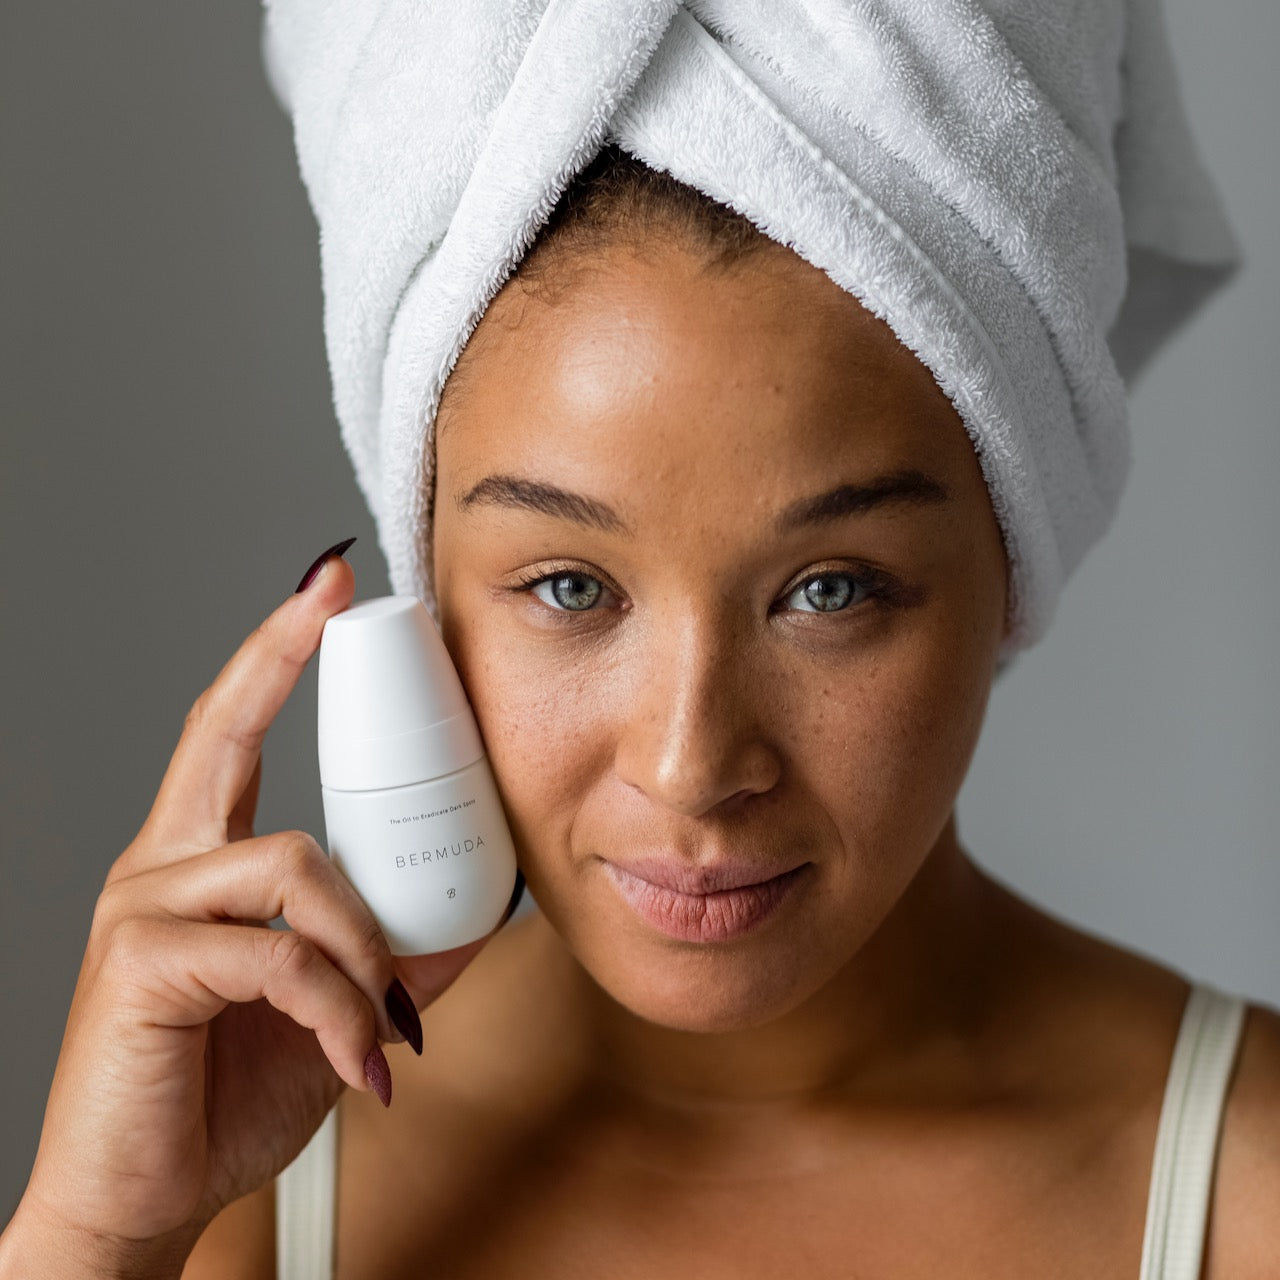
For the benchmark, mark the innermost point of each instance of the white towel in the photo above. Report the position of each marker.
(984, 176)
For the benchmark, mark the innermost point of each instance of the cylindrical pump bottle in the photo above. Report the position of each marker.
(411, 811)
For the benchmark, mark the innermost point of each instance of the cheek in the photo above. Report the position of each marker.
(890, 734)
(885, 748)
(910, 750)
(544, 733)
(917, 715)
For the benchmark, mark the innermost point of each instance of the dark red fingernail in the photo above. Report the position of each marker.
(378, 1074)
(336, 550)
(405, 1017)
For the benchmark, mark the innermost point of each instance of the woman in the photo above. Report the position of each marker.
(727, 584)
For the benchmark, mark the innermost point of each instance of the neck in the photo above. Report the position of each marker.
(888, 1022)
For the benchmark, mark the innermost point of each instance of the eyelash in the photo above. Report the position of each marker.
(879, 589)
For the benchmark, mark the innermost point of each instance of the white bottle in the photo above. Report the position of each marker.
(411, 811)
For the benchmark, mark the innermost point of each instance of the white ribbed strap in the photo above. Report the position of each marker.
(305, 1225)
(1187, 1137)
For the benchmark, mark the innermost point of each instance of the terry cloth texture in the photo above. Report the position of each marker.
(986, 176)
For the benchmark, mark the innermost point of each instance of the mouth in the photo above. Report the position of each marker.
(703, 904)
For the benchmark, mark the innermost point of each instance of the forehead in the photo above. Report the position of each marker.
(769, 368)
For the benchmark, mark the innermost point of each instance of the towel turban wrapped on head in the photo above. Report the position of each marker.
(1011, 185)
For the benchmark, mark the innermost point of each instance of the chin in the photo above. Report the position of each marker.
(710, 989)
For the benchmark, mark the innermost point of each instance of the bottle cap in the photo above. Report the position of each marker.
(392, 710)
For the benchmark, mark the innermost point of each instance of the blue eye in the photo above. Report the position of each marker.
(829, 593)
(571, 592)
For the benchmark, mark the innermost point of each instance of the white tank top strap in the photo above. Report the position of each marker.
(306, 1224)
(1187, 1137)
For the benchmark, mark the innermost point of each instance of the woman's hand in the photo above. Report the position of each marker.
(203, 1048)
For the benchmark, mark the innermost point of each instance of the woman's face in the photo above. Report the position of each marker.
(718, 567)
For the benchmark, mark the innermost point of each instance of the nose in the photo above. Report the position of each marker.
(696, 735)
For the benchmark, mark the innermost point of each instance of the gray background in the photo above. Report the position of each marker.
(171, 465)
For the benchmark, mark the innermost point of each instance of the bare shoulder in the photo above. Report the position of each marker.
(1126, 1007)
(1244, 1231)
(240, 1243)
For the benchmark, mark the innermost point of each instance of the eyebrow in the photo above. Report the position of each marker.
(536, 495)
(901, 488)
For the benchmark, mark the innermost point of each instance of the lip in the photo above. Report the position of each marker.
(703, 904)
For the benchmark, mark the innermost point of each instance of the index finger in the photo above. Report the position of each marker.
(222, 738)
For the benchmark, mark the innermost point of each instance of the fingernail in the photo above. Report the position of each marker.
(516, 894)
(336, 550)
(405, 1017)
(378, 1074)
